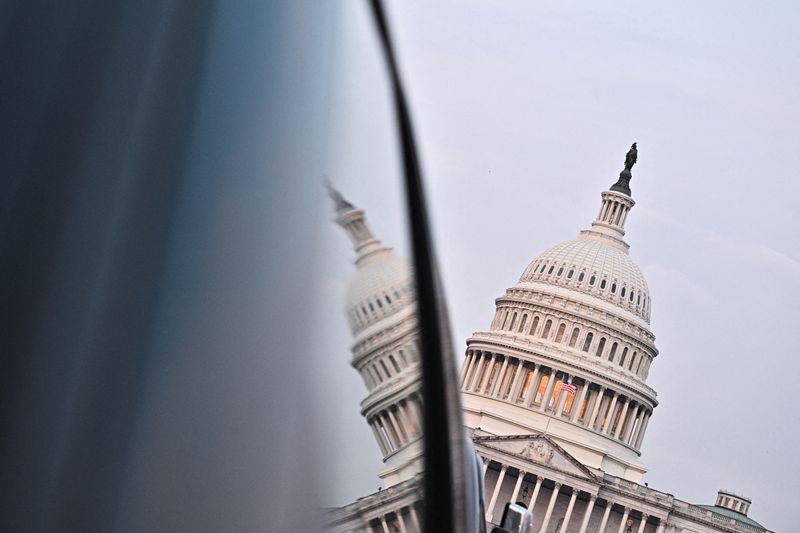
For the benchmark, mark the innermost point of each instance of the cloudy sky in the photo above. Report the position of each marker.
(524, 112)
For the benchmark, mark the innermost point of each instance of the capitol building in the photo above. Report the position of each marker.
(554, 392)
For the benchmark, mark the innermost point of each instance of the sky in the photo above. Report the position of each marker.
(523, 113)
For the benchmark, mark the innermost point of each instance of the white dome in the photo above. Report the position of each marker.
(596, 266)
(382, 285)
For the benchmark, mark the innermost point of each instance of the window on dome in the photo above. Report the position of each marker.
(505, 321)
(633, 358)
(396, 295)
(591, 281)
(534, 325)
(379, 303)
(639, 364)
(603, 283)
(403, 357)
(570, 273)
(613, 288)
(385, 369)
(388, 300)
(394, 363)
(522, 323)
(622, 357)
(546, 331)
(560, 332)
(639, 299)
(588, 342)
(580, 277)
(574, 337)
(513, 322)
(622, 292)
(550, 271)
(560, 271)
(612, 352)
(600, 346)
(542, 269)
(631, 297)
(364, 311)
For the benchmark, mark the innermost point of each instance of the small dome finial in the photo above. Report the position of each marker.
(623, 183)
(339, 201)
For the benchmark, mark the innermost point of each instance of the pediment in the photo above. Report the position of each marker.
(538, 449)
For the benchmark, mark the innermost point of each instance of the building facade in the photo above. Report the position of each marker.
(555, 396)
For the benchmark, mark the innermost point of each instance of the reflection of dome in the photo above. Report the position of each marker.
(381, 286)
(595, 266)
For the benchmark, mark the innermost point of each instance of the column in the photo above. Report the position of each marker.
(405, 411)
(576, 407)
(662, 524)
(562, 401)
(385, 526)
(595, 407)
(610, 416)
(549, 513)
(465, 370)
(498, 382)
(514, 392)
(400, 433)
(533, 386)
(496, 492)
(588, 513)
(604, 521)
(479, 362)
(642, 429)
(624, 519)
(520, 477)
(378, 438)
(548, 391)
(626, 434)
(485, 380)
(623, 417)
(642, 523)
(401, 521)
(568, 514)
(535, 494)
(413, 514)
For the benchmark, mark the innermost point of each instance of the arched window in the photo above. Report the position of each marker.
(613, 288)
(388, 300)
(588, 342)
(550, 271)
(570, 273)
(371, 307)
(505, 320)
(546, 331)
(580, 277)
(560, 332)
(591, 281)
(639, 365)
(513, 322)
(522, 323)
(403, 357)
(394, 363)
(377, 374)
(622, 357)
(631, 296)
(542, 269)
(600, 346)
(603, 283)
(633, 358)
(560, 271)
(534, 325)
(612, 352)
(574, 337)
(622, 293)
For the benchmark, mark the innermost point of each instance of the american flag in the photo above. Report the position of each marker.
(569, 387)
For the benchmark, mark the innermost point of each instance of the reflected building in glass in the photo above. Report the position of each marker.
(555, 393)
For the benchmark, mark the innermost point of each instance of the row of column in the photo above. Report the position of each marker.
(397, 425)
(613, 212)
(593, 406)
(573, 493)
(397, 521)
